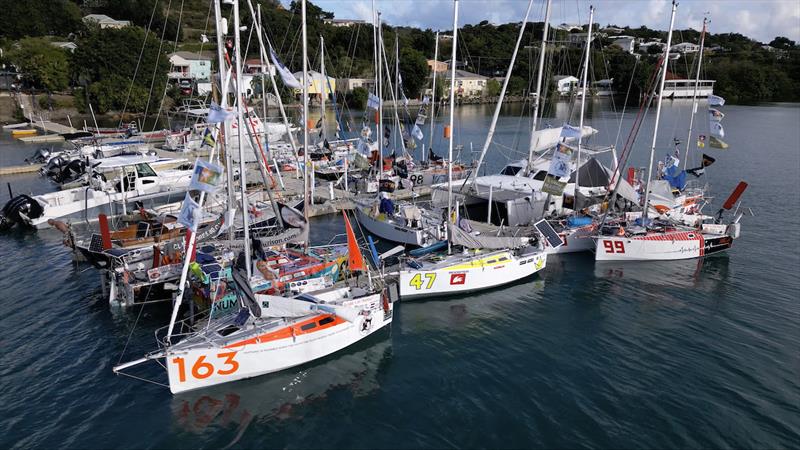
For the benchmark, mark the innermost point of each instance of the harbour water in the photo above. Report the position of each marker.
(693, 354)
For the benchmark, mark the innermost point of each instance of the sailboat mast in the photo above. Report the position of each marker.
(658, 113)
(537, 101)
(499, 105)
(452, 114)
(694, 95)
(583, 103)
(242, 126)
(433, 95)
(380, 96)
(176, 306)
(306, 156)
(324, 86)
(397, 87)
(226, 126)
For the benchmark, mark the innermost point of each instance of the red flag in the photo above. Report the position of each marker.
(354, 257)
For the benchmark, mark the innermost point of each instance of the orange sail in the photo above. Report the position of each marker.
(354, 257)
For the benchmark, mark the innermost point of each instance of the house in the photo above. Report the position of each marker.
(468, 84)
(577, 39)
(612, 30)
(685, 47)
(627, 43)
(253, 66)
(437, 66)
(645, 47)
(317, 84)
(194, 66)
(104, 21)
(345, 85)
(68, 46)
(565, 84)
(569, 27)
(343, 22)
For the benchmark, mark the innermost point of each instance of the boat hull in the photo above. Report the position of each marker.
(390, 231)
(575, 240)
(286, 347)
(660, 246)
(473, 274)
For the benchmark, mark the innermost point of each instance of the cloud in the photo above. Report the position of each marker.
(759, 19)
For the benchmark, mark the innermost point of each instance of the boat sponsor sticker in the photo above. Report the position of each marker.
(458, 279)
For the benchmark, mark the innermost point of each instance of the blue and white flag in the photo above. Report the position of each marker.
(715, 100)
(715, 114)
(417, 132)
(206, 177)
(190, 213)
(288, 78)
(425, 100)
(373, 102)
(216, 114)
(716, 129)
(568, 131)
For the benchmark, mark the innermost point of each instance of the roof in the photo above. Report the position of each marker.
(564, 77)
(192, 56)
(102, 18)
(464, 74)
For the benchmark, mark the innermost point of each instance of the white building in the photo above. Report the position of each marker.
(626, 43)
(685, 47)
(577, 39)
(683, 88)
(565, 84)
(345, 85)
(468, 84)
(343, 22)
(317, 83)
(104, 21)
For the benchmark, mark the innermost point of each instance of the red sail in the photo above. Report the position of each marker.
(735, 195)
(354, 258)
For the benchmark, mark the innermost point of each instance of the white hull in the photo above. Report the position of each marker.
(469, 273)
(667, 246)
(575, 240)
(276, 349)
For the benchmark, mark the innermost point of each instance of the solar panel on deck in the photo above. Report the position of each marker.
(549, 233)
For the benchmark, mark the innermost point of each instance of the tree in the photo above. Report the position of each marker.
(782, 43)
(107, 61)
(357, 98)
(39, 17)
(492, 88)
(42, 65)
(414, 70)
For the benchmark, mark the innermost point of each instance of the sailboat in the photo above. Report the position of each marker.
(636, 237)
(485, 262)
(269, 333)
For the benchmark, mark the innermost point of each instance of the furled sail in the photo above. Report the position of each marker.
(488, 236)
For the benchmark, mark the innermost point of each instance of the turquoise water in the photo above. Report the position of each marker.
(659, 355)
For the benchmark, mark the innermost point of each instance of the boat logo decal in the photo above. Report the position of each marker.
(458, 278)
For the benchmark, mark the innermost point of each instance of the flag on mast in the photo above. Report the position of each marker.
(288, 78)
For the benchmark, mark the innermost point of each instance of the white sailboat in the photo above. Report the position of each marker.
(657, 239)
(511, 260)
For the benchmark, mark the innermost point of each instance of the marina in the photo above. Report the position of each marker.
(559, 272)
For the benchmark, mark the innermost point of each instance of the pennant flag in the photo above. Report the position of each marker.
(288, 78)
(568, 131)
(417, 132)
(717, 143)
(373, 102)
(715, 100)
(190, 213)
(217, 115)
(716, 129)
(426, 100)
(707, 160)
(208, 138)
(715, 114)
(355, 259)
(559, 166)
(673, 174)
(205, 177)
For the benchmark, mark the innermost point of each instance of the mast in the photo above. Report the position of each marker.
(583, 105)
(193, 236)
(658, 113)
(694, 95)
(452, 114)
(433, 95)
(380, 97)
(263, 51)
(497, 107)
(226, 126)
(306, 156)
(324, 86)
(537, 100)
(261, 60)
(397, 88)
(237, 54)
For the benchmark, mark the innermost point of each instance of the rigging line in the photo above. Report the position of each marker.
(143, 379)
(158, 58)
(166, 85)
(138, 63)
(625, 105)
(130, 335)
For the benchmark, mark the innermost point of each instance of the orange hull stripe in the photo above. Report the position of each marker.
(288, 332)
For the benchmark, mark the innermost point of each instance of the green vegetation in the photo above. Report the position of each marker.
(357, 98)
(104, 66)
(493, 88)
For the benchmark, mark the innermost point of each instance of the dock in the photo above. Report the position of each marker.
(25, 168)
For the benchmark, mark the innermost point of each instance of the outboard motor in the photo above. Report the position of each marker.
(41, 156)
(53, 167)
(21, 204)
(71, 171)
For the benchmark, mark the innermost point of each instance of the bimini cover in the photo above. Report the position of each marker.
(592, 174)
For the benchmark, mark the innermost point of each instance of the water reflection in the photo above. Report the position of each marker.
(703, 274)
(283, 395)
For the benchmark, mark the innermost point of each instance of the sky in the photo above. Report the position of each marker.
(759, 19)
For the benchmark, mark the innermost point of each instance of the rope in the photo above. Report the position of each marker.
(143, 379)
(138, 63)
